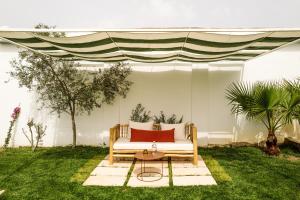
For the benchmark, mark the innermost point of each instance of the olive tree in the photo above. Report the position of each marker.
(62, 85)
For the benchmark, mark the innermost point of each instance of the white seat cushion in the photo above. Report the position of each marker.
(178, 145)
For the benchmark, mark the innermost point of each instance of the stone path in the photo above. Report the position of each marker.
(109, 175)
(184, 174)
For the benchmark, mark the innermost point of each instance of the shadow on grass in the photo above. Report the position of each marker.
(290, 150)
(231, 154)
(82, 152)
(55, 154)
(27, 163)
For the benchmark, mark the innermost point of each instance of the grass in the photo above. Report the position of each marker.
(130, 172)
(52, 173)
(170, 172)
(216, 169)
(84, 172)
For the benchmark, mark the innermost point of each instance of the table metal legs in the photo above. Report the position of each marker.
(141, 176)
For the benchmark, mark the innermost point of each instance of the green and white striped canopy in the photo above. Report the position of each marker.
(155, 46)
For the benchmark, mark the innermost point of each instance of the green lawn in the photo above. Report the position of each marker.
(241, 173)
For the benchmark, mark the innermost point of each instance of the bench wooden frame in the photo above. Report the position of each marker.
(122, 131)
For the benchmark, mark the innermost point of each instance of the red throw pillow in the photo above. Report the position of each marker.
(166, 136)
(138, 135)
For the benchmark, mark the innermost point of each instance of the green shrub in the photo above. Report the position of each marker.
(139, 114)
(162, 118)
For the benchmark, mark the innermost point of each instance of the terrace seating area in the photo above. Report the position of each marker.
(127, 158)
(183, 144)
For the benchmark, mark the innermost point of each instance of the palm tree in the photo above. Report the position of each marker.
(292, 108)
(273, 103)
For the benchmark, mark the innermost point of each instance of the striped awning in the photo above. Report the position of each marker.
(155, 46)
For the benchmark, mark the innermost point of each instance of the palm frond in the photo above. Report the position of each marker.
(274, 103)
(240, 98)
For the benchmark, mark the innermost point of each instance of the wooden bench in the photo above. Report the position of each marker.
(119, 133)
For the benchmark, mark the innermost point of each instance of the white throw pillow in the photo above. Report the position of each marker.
(140, 125)
(179, 130)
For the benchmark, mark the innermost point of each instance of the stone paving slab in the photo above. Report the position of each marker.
(200, 171)
(109, 175)
(185, 159)
(110, 171)
(105, 181)
(134, 182)
(106, 157)
(181, 162)
(184, 173)
(123, 163)
(193, 180)
(185, 164)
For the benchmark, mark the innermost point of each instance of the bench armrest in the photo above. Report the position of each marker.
(113, 135)
(194, 136)
(195, 143)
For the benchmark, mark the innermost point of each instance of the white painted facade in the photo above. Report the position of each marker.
(196, 91)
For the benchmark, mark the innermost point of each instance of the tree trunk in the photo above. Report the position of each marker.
(271, 144)
(74, 130)
(32, 142)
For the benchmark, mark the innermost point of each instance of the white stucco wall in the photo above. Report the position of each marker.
(194, 91)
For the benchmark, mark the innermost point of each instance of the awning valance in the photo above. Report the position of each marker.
(156, 46)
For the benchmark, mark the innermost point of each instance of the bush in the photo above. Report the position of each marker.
(162, 118)
(139, 114)
(39, 130)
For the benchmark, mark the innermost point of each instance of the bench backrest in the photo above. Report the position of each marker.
(123, 130)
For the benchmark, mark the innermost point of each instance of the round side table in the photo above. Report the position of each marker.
(150, 156)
